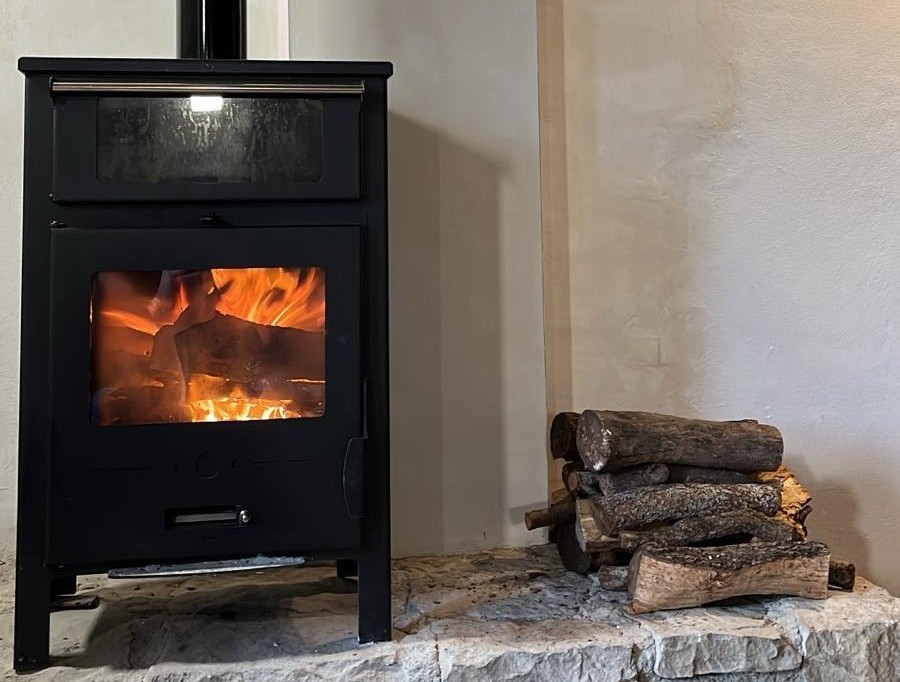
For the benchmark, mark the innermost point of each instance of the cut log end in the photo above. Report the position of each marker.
(842, 575)
(555, 515)
(562, 437)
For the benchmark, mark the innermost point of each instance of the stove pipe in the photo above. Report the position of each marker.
(212, 29)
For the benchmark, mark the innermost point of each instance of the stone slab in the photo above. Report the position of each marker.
(509, 614)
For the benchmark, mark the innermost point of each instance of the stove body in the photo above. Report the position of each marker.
(204, 373)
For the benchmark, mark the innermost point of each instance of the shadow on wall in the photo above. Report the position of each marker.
(447, 419)
(835, 517)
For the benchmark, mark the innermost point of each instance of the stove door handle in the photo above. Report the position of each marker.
(354, 468)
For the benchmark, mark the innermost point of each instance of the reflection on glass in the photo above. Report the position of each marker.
(231, 344)
(209, 138)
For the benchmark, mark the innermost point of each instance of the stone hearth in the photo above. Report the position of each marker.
(503, 615)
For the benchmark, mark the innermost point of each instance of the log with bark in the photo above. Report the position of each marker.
(555, 515)
(590, 539)
(682, 577)
(573, 557)
(680, 473)
(583, 483)
(563, 429)
(609, 440)
(640, 507)
(699, 529)
(613, 482)
(842, 575)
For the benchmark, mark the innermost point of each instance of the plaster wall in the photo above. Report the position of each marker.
(93, 28)
(724, 182)
(467, 353)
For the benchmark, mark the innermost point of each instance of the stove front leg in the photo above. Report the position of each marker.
(347, 568)
(374, 594)
(31, 646)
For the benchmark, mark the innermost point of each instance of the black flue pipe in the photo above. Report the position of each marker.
(212, 29)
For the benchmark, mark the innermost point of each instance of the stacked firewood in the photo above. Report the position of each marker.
(682, 512)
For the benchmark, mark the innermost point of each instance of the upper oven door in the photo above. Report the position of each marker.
(205, 141)
(206, 387)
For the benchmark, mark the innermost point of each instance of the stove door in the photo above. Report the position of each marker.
(206, 393)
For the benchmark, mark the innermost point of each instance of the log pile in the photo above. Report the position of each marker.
(682, 512)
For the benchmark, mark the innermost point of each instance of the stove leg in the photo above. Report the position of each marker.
(347, 568)
(31, 644)
(63, 585)
(374, 593)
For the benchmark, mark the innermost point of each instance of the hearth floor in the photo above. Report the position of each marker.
(510, 614)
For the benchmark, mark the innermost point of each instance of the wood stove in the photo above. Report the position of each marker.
(204, 324)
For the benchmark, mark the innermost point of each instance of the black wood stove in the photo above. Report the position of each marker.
(204, 321)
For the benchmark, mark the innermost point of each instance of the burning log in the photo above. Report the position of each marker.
(247, 352)
(615, 440)
(842, 575)
(583, 483)
(635, 477)
(679, 473)
(562, 437)
(590, 539)
(697, 529)
(644, 506)
(681, 577)
(556, 514)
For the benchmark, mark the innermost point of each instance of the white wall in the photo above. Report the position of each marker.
(124, 28)
(732, 234)
(468, 396)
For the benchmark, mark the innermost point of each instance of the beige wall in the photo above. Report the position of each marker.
(124, 28)
(728, 233)
(468, 400)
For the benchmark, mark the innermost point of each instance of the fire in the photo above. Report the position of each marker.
(139, 375)
(273, 296)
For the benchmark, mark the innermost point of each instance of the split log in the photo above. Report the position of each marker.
(795, 498)
(246, 352)
(583, 483)
(679, 473)
(644, 506)
(842, 575)
(635, 477)
(568, 469)
(681, 577)
(590, 539)
(563, 444)
(554, 515)
(560, 495)
(697, 529)
(615, 440)
(573, 557)
(613, 578)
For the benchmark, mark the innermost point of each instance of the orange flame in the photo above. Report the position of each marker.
(128, 320)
